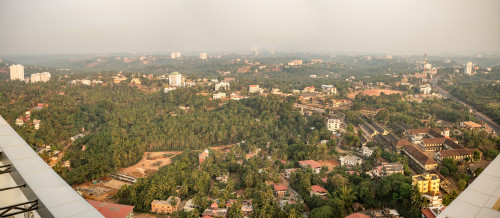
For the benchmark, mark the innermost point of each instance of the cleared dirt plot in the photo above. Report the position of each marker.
(329, 163)
(150, 162)
(113, 183)
(374, 92)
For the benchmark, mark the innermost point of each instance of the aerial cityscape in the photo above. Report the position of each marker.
(238, 109)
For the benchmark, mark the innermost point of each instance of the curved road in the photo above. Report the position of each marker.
(478, 114)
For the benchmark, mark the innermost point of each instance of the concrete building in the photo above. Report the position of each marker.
(220, 95)
(425, 89)
(366, 151)
(222, 85)
(319, 191)
(280, 190)
(165, 207)
(455, 154)
(17, 72)
(254, 89)
(40, 77)
(175, 79)
(316, 167)
(333, 124)
(468, 68)
(350, 161)
(419, 159)
(426, 183)
(329, 89)
(434, 199)
(295, 63)
(175, 55)
(203, 56)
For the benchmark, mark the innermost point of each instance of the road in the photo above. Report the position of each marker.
(479, 115)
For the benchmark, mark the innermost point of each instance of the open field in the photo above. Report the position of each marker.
(150, 162)
(374, 92)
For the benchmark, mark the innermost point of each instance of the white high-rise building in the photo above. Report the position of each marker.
(175, 79)
(17, 72)
(40, 77)
(468, 68)
(203, 56)
(175, 55)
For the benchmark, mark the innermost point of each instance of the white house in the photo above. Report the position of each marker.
(350, 160)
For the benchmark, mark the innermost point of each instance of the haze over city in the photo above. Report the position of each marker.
(396, 27)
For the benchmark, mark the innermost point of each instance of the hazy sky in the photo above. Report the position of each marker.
(381, 26)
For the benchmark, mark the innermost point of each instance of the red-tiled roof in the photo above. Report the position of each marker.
(456, 152)
(419, 155)
(313, 164)
(111, 210)
(434, 141)
(403, 142)
(418, 131)
(324, 180)
(280, 187)
(357, 215)
(427, 213)
(317, 188)
(453, 144)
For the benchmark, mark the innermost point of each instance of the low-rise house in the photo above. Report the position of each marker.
(470, 125)
(366, 151)
(455, 154)
(165, 207)
(392, 213)
(135, 81)
(19, 121)
(36, 124)
(318, 190)
(316, 167)
(280, 190)
(246, 207)
(214, 211)
(350, 161)
(329, 89)
(203, 156)
(222, 179)
(189, 206)
(220, 95)
(222, 85)
(73, 138)
(434, 199)
(333, 125)
(432, 212)
(391, 168)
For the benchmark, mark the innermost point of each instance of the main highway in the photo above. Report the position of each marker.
(479, 115)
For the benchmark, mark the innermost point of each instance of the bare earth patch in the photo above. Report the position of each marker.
(150, 162)
(329, 163)
(374, 92)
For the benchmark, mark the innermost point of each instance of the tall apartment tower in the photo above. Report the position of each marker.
(468, 68)
(40, 77)
(16, 72)
(203, 56)
(175, 79)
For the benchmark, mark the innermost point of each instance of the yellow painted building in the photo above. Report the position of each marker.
(426, 183)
